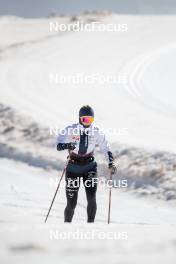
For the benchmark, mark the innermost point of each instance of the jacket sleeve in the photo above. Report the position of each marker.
(104, 146)
(64, 136)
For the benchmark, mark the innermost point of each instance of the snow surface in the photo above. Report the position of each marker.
(145, 54)
(30, 103)
(145, 231)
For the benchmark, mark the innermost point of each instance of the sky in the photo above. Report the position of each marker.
(42, 8)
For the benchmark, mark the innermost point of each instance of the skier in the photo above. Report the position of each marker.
(80, 140)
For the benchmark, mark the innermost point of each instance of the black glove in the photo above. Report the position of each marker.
(71, 146)
(63, 146)
(112, 167)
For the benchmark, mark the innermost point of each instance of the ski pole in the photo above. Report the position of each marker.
(109, 209)
(57, 188)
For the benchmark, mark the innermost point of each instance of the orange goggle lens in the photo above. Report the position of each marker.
(87, 119)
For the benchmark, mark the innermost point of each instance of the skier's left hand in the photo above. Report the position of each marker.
(112, 167)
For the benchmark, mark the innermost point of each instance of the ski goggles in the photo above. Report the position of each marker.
(86, 119)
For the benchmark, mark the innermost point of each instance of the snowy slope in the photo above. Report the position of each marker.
(145, 232)
(145, 54)
(30, 103)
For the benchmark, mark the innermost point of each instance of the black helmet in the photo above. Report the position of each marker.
(86, 110)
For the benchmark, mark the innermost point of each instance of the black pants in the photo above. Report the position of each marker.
(72, 187)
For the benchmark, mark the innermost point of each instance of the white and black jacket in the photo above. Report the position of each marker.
(86, 140)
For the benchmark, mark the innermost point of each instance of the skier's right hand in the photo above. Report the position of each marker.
(63, 146)
(71, 146)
